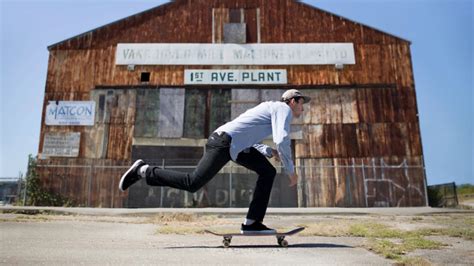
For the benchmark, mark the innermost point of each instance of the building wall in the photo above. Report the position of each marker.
(365, 112)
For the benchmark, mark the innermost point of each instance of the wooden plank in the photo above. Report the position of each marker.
(349, 106)
(363, 140)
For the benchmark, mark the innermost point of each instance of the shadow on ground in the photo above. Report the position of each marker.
(302, 245)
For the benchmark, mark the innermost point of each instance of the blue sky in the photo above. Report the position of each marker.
(441, 32)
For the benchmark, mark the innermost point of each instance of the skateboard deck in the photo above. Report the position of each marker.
(280, 236)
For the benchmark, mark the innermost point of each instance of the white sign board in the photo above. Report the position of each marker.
(61, 144)
(70, 113)
(235, 76)
(234, 54)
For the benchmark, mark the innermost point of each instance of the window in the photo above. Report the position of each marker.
(145, 77)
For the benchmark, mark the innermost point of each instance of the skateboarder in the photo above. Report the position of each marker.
(239, 141)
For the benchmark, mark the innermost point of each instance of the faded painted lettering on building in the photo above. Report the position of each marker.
(234, 54)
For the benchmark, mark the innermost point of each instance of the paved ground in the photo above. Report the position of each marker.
(91, 243)
(131, 236)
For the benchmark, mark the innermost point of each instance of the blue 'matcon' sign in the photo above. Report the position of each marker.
(70, 113)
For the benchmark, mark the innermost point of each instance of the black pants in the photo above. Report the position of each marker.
(215, 157)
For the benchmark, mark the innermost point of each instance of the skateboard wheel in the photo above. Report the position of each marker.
(283, 243)
(226, 243)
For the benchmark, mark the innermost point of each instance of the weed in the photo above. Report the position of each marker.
(391, 250)
(418, 261)
(374, 230)
(462, 232)
(179, 230)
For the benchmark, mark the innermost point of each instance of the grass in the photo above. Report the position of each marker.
(396, 251)
(179, 230)
(387, 241)
(27, 218)
(465, 233)
(184, 223)
(418, 261)
(173, 217)
(372, 230)
(465, 189)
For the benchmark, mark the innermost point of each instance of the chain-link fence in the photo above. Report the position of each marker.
(443, 195)
(352, 184)
(10, 190)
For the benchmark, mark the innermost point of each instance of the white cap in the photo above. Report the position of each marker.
(289, 94)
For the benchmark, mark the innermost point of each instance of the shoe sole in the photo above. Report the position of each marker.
(134, 165)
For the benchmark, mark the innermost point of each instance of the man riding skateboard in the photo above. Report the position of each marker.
(238, 140)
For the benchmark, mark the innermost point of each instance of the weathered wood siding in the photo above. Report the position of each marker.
(365, 111)
(361, 182)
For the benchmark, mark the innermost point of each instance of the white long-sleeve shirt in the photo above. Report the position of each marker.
(255, 124)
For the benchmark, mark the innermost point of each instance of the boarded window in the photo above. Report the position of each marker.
(219, 108)
(250, 17)
(115, 115)
(243, 99)
(235, 33)
(235, 15)
(272, 95)
(195, 113)
(171, 113)
(147, 113)
(252, 20)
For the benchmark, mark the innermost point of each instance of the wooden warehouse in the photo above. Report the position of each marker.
(155, 85)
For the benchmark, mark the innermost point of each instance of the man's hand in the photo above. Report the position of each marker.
(275, 154)
(293, 180)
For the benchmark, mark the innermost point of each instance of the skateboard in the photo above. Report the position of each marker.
(280, 236)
